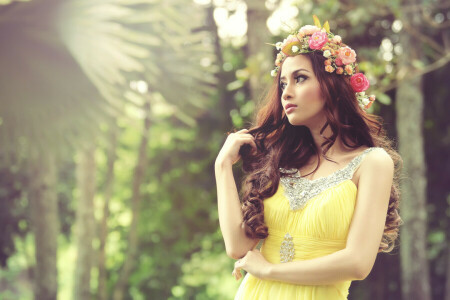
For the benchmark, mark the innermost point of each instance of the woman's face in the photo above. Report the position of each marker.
(301, 96)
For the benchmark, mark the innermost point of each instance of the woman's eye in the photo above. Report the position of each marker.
(298, 79)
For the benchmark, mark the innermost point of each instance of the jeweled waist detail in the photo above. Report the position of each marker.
(283, 246)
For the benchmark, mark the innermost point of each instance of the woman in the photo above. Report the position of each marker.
(321, 186)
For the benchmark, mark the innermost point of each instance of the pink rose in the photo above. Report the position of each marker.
(359, 82)
(318, 40)
(308, 30)
(338, 62)
(347, 55)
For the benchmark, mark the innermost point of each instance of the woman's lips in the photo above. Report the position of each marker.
(290, 108)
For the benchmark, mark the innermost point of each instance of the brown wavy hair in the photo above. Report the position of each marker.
(281, 144)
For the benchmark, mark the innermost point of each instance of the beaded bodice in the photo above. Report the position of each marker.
(299, 190)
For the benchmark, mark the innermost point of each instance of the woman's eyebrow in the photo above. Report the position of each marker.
(296, 71)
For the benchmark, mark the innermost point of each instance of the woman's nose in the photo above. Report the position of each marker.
(287, 92)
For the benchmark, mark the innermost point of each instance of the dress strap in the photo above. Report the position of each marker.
(356, 162)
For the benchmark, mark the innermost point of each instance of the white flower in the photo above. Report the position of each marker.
(337, 39)
(327, 53)
(295, 49)
(279, 45)
(365, 101)
(273, 73)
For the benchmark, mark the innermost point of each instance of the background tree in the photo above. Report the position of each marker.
(90, 67)
(85, 222)
(409, 107)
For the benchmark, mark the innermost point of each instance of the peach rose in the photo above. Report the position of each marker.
(339, 70)
(329, 68)
(347, 55)
(308, 30)
(328, 62)
(349, 69)
(359, 82)
(279, 59)
(318, 40)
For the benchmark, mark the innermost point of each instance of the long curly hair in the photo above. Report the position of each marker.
(281, 144)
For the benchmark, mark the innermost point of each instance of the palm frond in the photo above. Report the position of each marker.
(67, 65)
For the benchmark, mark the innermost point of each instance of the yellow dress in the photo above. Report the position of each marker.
(306, 219)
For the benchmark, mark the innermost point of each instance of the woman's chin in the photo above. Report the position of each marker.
(296, 121)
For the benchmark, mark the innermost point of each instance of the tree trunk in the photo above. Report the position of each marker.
(413, 236)
(259, 54)
(133, 238)
(103, 232)
(221, 115)
(85, 224)
(44, 217)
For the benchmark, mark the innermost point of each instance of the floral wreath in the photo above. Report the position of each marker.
(340, 58)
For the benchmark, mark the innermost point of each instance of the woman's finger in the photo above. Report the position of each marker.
(237, 274)
(250, 141)
(246, 135)
(237, 269)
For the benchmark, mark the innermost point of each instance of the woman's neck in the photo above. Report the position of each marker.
(336, 149)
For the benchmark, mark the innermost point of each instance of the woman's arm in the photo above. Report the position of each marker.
(357, 259)
(237, 244)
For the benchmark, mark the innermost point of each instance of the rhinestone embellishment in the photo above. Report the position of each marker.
(299, 190)
(287, 249)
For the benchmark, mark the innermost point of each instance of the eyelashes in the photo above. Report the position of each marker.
(297, 80)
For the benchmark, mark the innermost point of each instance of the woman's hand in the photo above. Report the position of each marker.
(254, 263)
(234, 142)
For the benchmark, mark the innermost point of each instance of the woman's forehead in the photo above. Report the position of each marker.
(294, 63)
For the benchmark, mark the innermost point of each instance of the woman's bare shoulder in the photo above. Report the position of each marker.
(378, 152)
(378, 159)
(373, 161)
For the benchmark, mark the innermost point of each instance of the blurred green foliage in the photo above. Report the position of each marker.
(181, 252)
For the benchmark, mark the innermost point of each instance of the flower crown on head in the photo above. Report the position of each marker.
(340, 58)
